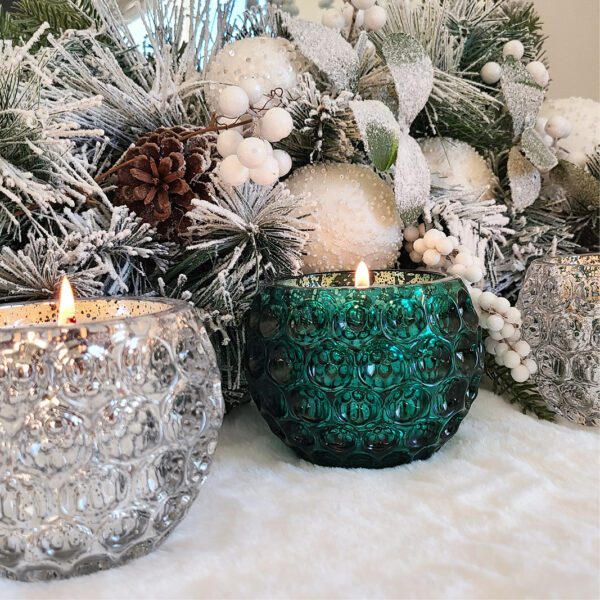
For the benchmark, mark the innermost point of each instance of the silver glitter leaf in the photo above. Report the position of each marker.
(412, 71)
(536, 151)
(412, 183)
(327, 49)
(525, 180)
(379, 130)
(523, 96)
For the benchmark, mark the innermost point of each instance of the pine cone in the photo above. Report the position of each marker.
(166, 174)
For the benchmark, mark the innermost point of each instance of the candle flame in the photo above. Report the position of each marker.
(362, 279)
(66, 304)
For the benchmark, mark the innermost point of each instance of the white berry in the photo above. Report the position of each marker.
(520, 374)
(491, 73)
(375, 18)
(507, 331)
(511, 359)
(267, 174)
(501, 305)
(495, 323)
(454, 241)
(233, 172)
(411, 233)
(363, 4)
(514, 48)
(276, 125)
(253, 89)
(348, 12)
(475, 294)
(540, 125)
(538, 71)
(558, 127)
(486, 300)
(513, 315)
(444, 246)
(463, 258)
(496, 335)
(502, 348)
(473, 274)
(233, 101)
(269, 148)
(284, 160)
(490, 346)
(523, 348)
(333, 18)
(431, 257)
(515, 337)
(420, 246)
(432, 236)
(416, 257)
(228, 142)
(252, 152)
(458, 270)
(531, 365)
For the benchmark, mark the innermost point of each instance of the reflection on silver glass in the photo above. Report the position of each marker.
(107, 430)
(560, 301)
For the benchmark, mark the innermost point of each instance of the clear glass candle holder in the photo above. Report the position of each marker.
(371, 377)
(560, 301)
(107, 430)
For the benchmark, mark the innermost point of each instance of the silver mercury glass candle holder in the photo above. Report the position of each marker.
(107, 431)
(560, 301)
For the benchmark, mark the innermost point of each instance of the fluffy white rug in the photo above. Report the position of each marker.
(510, 508)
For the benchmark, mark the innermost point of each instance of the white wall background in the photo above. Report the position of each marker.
(573, 27)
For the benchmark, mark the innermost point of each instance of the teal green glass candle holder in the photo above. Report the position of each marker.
(372, 377)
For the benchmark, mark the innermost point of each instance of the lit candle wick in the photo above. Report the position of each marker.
(66, 304)
(362, 278)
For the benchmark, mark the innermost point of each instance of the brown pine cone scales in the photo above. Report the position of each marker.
(164, 172)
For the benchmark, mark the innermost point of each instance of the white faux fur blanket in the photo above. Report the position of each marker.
(510, 508)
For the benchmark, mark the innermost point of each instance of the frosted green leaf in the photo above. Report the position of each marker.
(536, 151)
(412, 71)
(523, 96)
(525, 180)
(327, 49)
(379, 131)
(581, 187)
(412, 183)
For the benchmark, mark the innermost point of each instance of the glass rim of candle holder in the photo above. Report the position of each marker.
(47, 321)
(379, 279)
(570, 260)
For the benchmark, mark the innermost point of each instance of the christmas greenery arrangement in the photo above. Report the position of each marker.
(234, 149)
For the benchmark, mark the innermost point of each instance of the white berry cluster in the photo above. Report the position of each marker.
(491, 73)
(503, 323)
(369, 15)
(252, 157)
(434, 249)
(553, 129)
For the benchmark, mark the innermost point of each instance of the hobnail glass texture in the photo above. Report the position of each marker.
(370, 377)
(107, 430)
(560, 301)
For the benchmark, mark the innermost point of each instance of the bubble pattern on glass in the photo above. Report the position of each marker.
(364, 378)
(106, 434)
(560, 301)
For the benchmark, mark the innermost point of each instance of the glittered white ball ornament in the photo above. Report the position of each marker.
(228, 142)
(272, 63)
(457, 165)
(584, 116)
(352, 216)
(276, 124)
(375, 18)
(537, 69)
(491, 73)
(514, 48)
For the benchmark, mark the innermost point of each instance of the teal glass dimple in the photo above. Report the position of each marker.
(371, 377)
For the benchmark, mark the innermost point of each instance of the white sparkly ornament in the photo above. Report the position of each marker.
(457, 165)
(352, 216)
(584, 116)
(334, 19)
(558, 127)
(284, 160)
(375, 18)
(233, 172)
(539, 72)
(252, 152)
(514, 48)
(273, 63)
(233, 102)
(491, 73)
(276, 124)
(228, 142)
(267, 173)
